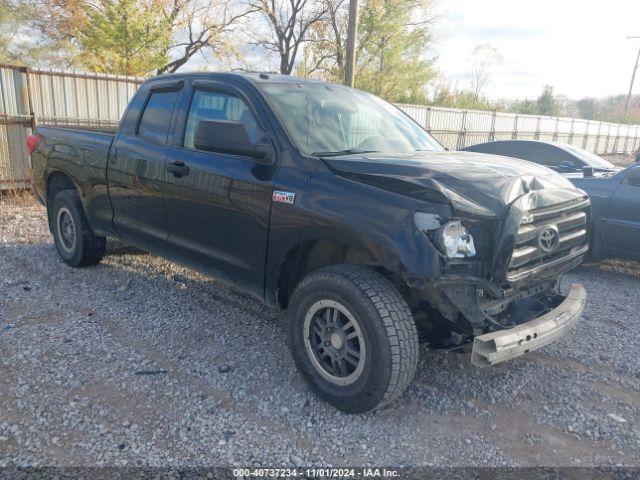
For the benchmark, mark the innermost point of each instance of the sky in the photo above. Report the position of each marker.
(578, 47)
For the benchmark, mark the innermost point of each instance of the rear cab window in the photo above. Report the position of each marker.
(156, 117)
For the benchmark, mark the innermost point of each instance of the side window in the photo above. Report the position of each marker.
(154, 124)
(566, 157)
(633, 176)
(208, 105)
(554, 156)
(531, 152)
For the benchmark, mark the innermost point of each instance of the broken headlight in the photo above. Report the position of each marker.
(452, 238)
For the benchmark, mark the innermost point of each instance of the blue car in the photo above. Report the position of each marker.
(615, 203)
(561, 157)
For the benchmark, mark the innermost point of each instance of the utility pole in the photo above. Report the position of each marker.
(352, 30)
(633, 78)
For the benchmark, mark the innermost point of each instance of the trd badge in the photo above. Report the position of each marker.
(283, 197)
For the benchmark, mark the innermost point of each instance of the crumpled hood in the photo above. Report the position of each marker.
(476, 183)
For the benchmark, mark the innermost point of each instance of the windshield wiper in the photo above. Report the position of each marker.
(350, 151)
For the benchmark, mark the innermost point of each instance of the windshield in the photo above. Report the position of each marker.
(591, 159)
(332, 120)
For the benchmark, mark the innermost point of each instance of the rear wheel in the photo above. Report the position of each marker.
(76, 243)
(352, 337)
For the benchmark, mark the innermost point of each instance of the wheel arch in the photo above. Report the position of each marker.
(56, 182)
(313, 253)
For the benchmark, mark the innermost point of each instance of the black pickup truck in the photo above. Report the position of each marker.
(334, 205)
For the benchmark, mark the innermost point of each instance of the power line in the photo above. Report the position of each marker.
(633, 77)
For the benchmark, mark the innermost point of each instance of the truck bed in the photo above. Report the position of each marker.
(82, 155)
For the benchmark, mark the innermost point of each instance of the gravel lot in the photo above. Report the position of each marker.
(138, 361)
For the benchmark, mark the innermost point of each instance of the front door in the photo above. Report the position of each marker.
(137, 172)
(623, 217)
(218, 205)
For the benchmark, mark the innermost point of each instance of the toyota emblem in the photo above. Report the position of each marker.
(549, 239)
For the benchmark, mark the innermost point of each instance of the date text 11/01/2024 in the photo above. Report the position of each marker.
(315, 472)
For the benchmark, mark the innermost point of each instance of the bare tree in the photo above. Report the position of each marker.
(327, 38)
(199, 25)
(485, 60)
(289, 23)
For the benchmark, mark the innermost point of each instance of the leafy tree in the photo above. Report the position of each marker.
(528, 107)
(14, 42)
(393, 36)
(444, 95)
(8, 30)
(124, 36)
(587, 108)
(53, 26)
(546, 103)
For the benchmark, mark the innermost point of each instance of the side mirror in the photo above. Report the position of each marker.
(230, 137)
(633, 176)
(588, 171)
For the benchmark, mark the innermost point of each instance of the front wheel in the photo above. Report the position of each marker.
(352, 337)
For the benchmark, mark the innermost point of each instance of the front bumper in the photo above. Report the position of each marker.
(495, 347)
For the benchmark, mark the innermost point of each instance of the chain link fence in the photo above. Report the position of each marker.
(33, 96)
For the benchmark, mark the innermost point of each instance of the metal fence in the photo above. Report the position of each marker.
(457, 129)
(31, 96)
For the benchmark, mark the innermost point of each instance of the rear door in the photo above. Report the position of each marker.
(623, 222)
(218, 205)
(137, 169)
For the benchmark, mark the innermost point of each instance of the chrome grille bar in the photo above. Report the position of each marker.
(569, 220)
(528, 232)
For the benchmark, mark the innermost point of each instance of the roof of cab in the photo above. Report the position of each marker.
(254, 77)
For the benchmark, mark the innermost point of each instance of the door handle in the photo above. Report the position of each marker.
(178, 168)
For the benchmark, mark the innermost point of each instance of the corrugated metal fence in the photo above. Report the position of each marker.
(456, 129)
(31, 96)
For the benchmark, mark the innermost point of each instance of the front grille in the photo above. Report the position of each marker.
(564, 235)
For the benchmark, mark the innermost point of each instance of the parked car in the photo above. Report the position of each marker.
(560, 157)
(615, 202)
(333, 204)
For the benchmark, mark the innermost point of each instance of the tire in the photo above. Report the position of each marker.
(76, 243)
(597, 250)
(323, 343)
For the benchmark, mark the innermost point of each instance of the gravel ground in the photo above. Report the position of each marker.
(138, 361)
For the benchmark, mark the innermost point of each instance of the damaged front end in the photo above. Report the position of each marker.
(495, 347)
(509, 302)
(490, 239)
